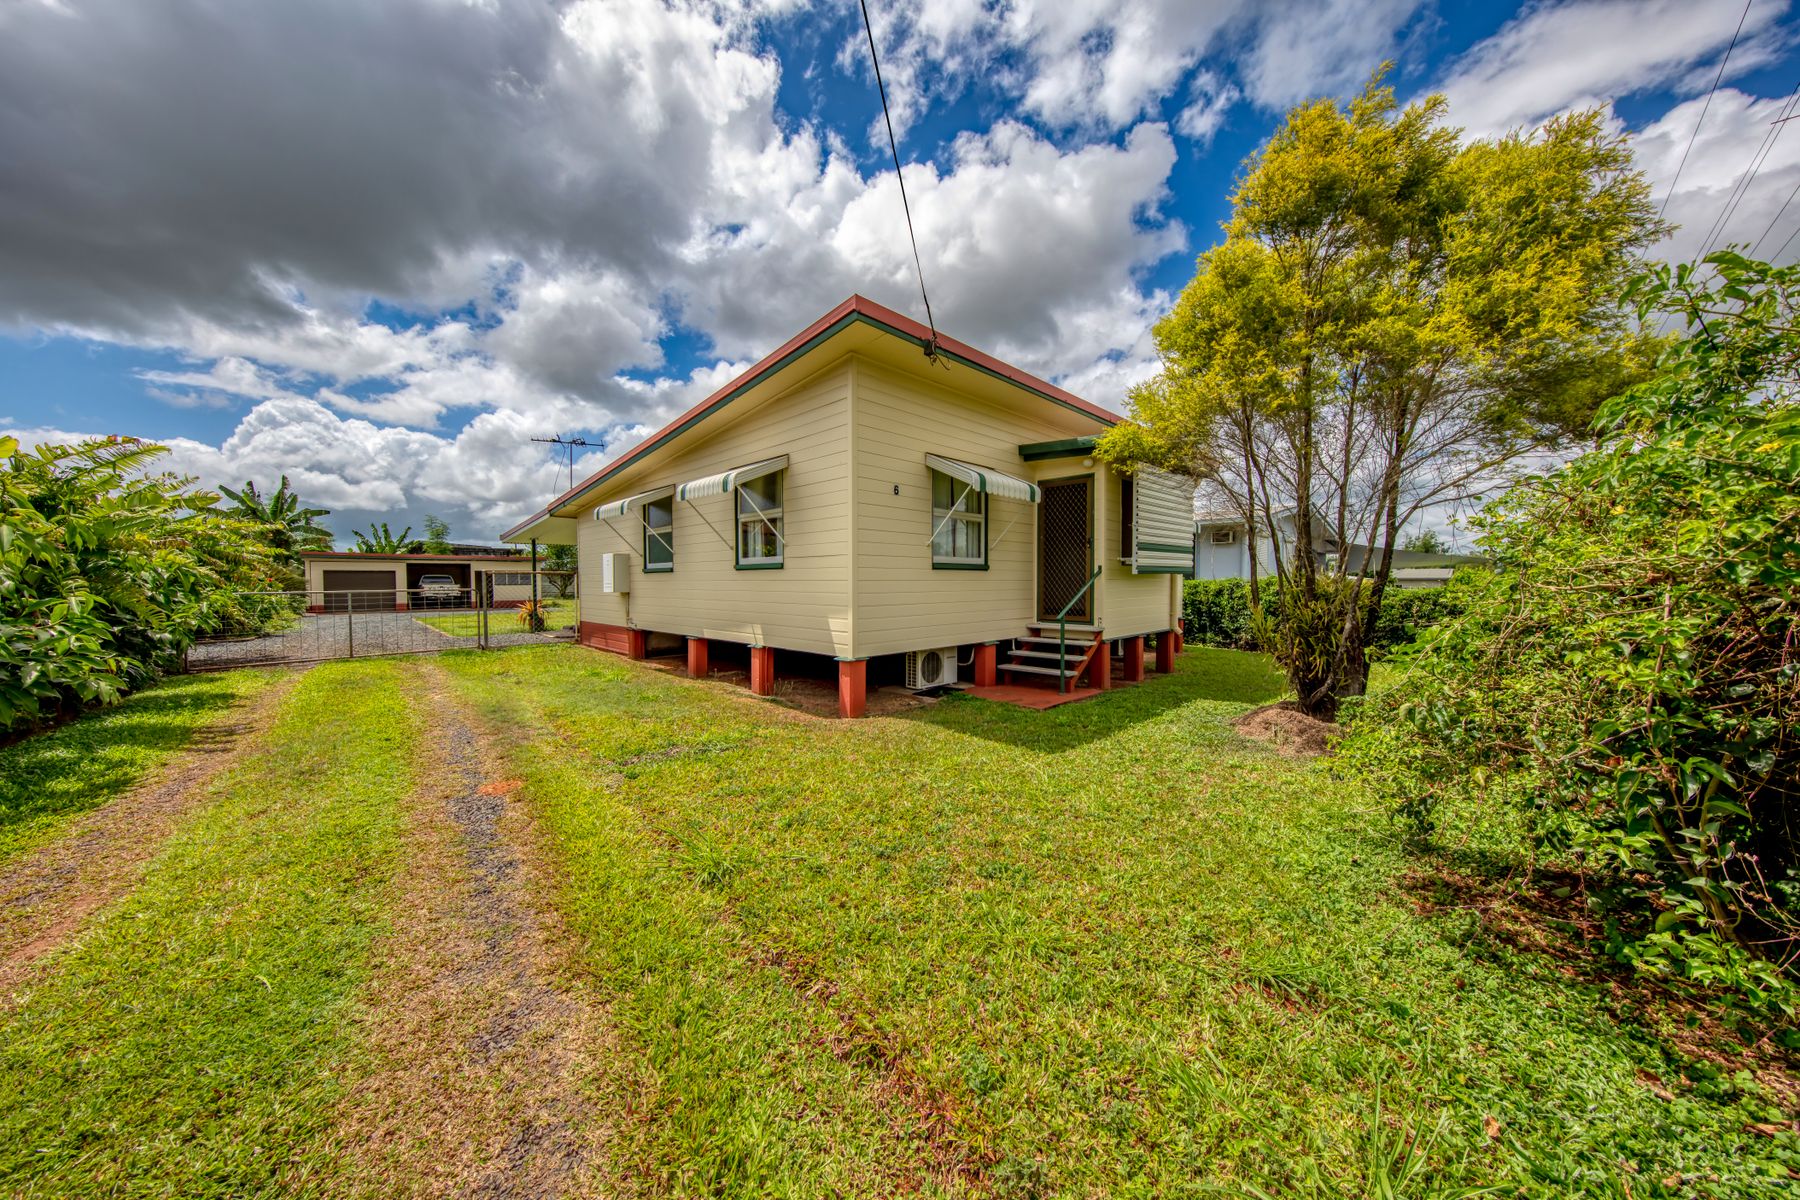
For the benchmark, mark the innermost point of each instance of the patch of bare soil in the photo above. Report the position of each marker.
(810, 697)
(1288, 729)
(818, 699)
(484, 1053)
(1547, 914)
(49, 893)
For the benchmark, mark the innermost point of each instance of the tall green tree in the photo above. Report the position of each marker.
(1426, 541)
(1396, 317)
(437, 535)
(291, 527)
(380, 540)
(558, 565)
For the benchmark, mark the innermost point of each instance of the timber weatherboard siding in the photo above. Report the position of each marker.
(856, 421)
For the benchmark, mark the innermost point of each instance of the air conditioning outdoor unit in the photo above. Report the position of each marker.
(930, 668)
(615, 573)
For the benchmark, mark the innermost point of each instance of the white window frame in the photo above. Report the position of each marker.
(943, 516)
(1224, 537)
(758, 517)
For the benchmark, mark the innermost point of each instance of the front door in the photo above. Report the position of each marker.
(1066, 548)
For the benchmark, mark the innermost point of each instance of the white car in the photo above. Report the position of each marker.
(439, 591)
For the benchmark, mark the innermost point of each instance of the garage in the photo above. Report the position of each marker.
(359, 591)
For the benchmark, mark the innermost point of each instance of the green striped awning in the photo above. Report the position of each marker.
(725, 481)
(985, 480)
(629, 504)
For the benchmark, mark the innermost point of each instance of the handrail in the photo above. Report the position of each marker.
(1062, 632)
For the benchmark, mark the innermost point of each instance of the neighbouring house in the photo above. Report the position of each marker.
(853, 499)
(1222, 550)
(352, 581)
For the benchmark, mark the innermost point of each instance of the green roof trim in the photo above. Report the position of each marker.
(1075, 447)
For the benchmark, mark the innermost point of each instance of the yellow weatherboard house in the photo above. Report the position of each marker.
(919, 517)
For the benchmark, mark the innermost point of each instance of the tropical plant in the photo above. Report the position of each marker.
(531, 615)
(1628, 681)
(437, 535)
(558, 566)
(108, 572)
(291, 528)
(1394, 317)
(381, 540)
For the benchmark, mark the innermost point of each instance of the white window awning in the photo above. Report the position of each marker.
(725, 481)
(984, 480)
(631, 504)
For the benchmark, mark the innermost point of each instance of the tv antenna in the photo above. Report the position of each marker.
(570, 444)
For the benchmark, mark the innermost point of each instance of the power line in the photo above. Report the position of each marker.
(1742, 187)
(894, 146)
(1772, 220)
(1703, 108)
(1775, 257)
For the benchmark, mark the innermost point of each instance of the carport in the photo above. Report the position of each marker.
(415, 571)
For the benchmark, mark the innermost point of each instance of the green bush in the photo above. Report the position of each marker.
(108, 573)
(1217, 612)
(1626, 686)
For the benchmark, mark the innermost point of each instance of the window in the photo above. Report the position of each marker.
(511, 578)
(659, 533)
(1127, 532)
(958, 523)
(1224, 537)
(760, 543)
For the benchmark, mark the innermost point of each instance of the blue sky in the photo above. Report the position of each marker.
(379, 248)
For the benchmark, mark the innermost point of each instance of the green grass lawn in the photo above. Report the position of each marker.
(194, 1042)
(1112, 949)
(49, 779)
(558, 614)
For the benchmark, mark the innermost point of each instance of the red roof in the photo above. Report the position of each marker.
(498, 554)
(855, 307)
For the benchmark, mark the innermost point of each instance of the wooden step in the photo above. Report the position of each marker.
(1075, 650)
(1050, 671)
(1072, 627)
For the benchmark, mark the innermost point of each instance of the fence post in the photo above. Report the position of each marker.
(350, 623)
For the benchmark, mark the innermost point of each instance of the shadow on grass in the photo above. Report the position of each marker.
(1201, 673)
(92, 760)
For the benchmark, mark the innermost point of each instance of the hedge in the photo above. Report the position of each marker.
(1217, 612)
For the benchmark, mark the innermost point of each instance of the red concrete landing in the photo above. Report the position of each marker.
(1031, 697)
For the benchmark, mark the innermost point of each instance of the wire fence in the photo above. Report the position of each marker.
(314, 626)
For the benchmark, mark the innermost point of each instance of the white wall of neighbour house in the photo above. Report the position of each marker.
(805, 604)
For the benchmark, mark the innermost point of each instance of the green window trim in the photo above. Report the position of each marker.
(761, 566)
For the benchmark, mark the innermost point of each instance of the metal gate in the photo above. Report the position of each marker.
(300, 626)
(1065, 548)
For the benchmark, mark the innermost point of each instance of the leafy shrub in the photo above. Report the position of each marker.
(1217, 612)
(108, 573)
(1627, 683)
